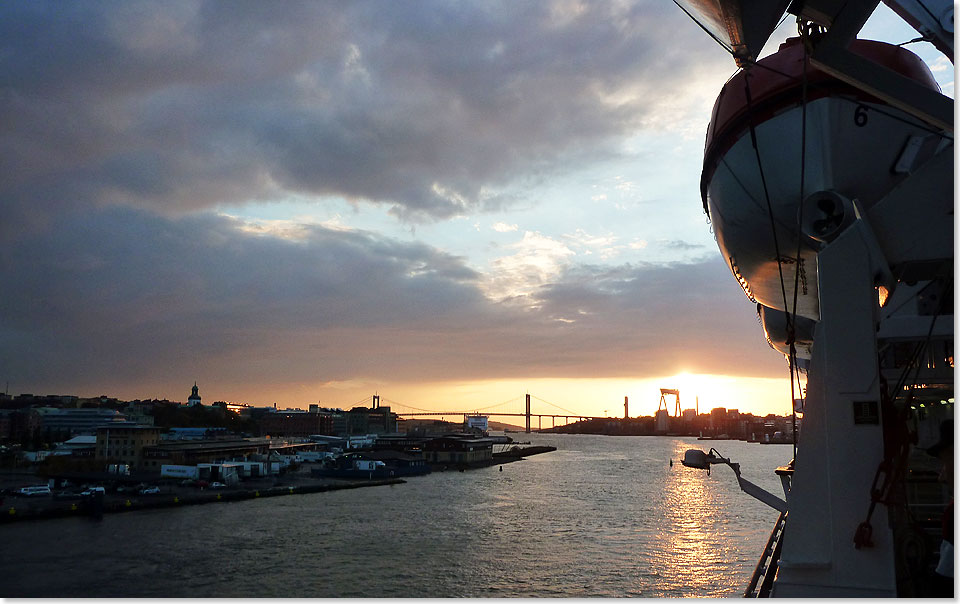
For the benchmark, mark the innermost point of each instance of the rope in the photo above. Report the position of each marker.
(894, 462)
(921, 347)
(804, 34)
(814, 86)
(766, 194)
(791, 322)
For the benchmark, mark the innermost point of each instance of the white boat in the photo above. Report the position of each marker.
(828, 179)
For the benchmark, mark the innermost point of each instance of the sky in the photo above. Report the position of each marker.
(448, 203)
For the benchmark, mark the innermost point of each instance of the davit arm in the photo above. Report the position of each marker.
(695, 458)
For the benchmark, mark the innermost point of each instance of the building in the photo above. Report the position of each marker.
(718, 419)
(19, 425)
(363, 420)
(662, 420)
(458, 450)
(241, 409)
(84, 445)
(191, 453)
(64, 423)
(297, 423)
(194, 398)
(139, 413)
(125, 443)
(196, 433)
(477, 423)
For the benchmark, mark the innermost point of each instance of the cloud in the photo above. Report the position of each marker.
(124, 301)
(538, 260)
(124, 127)
(431, 109)
(676, 244)
(127, 290)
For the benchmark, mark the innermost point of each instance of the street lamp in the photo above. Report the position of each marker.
(695, 458)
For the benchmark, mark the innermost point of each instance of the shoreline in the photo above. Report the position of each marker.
(24, 509)
(114, 504)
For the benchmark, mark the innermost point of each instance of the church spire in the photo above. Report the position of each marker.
(194, 396)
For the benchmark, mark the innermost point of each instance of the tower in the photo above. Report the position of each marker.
(194, 396)
(528, 413)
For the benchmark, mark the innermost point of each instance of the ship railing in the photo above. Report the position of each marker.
(766, 570)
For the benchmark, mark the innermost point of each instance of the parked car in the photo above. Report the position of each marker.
(34, 491)
(67, 495)
(92, 491)
(217, 485)
(150, 491)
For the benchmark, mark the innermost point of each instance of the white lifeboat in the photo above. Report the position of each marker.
(857, 149)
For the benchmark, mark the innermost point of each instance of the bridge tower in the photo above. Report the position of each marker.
(376, 401)
(528, 413)
(626, 408)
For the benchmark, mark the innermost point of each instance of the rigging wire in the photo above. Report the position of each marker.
(766, 194)
(914, 361)
(747, 61)
(824, 86)
(915, 40)
(791, 322)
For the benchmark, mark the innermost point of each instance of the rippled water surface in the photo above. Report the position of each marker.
(601, 516)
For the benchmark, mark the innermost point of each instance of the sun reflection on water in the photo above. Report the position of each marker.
(693, 549)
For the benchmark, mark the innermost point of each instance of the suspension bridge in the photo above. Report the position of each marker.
(520, 406)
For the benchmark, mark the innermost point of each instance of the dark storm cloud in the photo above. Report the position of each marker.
(427, 107)
(123, 298)
(123, 291)
(123, 123)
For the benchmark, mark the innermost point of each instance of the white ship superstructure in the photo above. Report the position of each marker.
(828, 178)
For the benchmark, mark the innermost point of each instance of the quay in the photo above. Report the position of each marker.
(169, 497)
(172, 495)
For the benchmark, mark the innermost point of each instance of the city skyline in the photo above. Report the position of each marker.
(435, 202)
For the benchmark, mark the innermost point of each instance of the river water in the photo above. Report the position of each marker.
(601, 516)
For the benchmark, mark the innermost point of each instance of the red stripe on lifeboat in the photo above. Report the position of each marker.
(776, 85)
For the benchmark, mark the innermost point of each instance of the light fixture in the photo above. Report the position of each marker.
(695, 458)
(882, 294)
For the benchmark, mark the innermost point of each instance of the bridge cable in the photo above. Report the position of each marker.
(572, 413)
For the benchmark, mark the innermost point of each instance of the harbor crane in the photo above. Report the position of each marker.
(664, 392)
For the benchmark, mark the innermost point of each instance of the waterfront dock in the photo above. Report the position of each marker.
(21, 508)
(173, 495)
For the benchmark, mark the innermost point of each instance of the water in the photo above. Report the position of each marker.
(601, 516)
